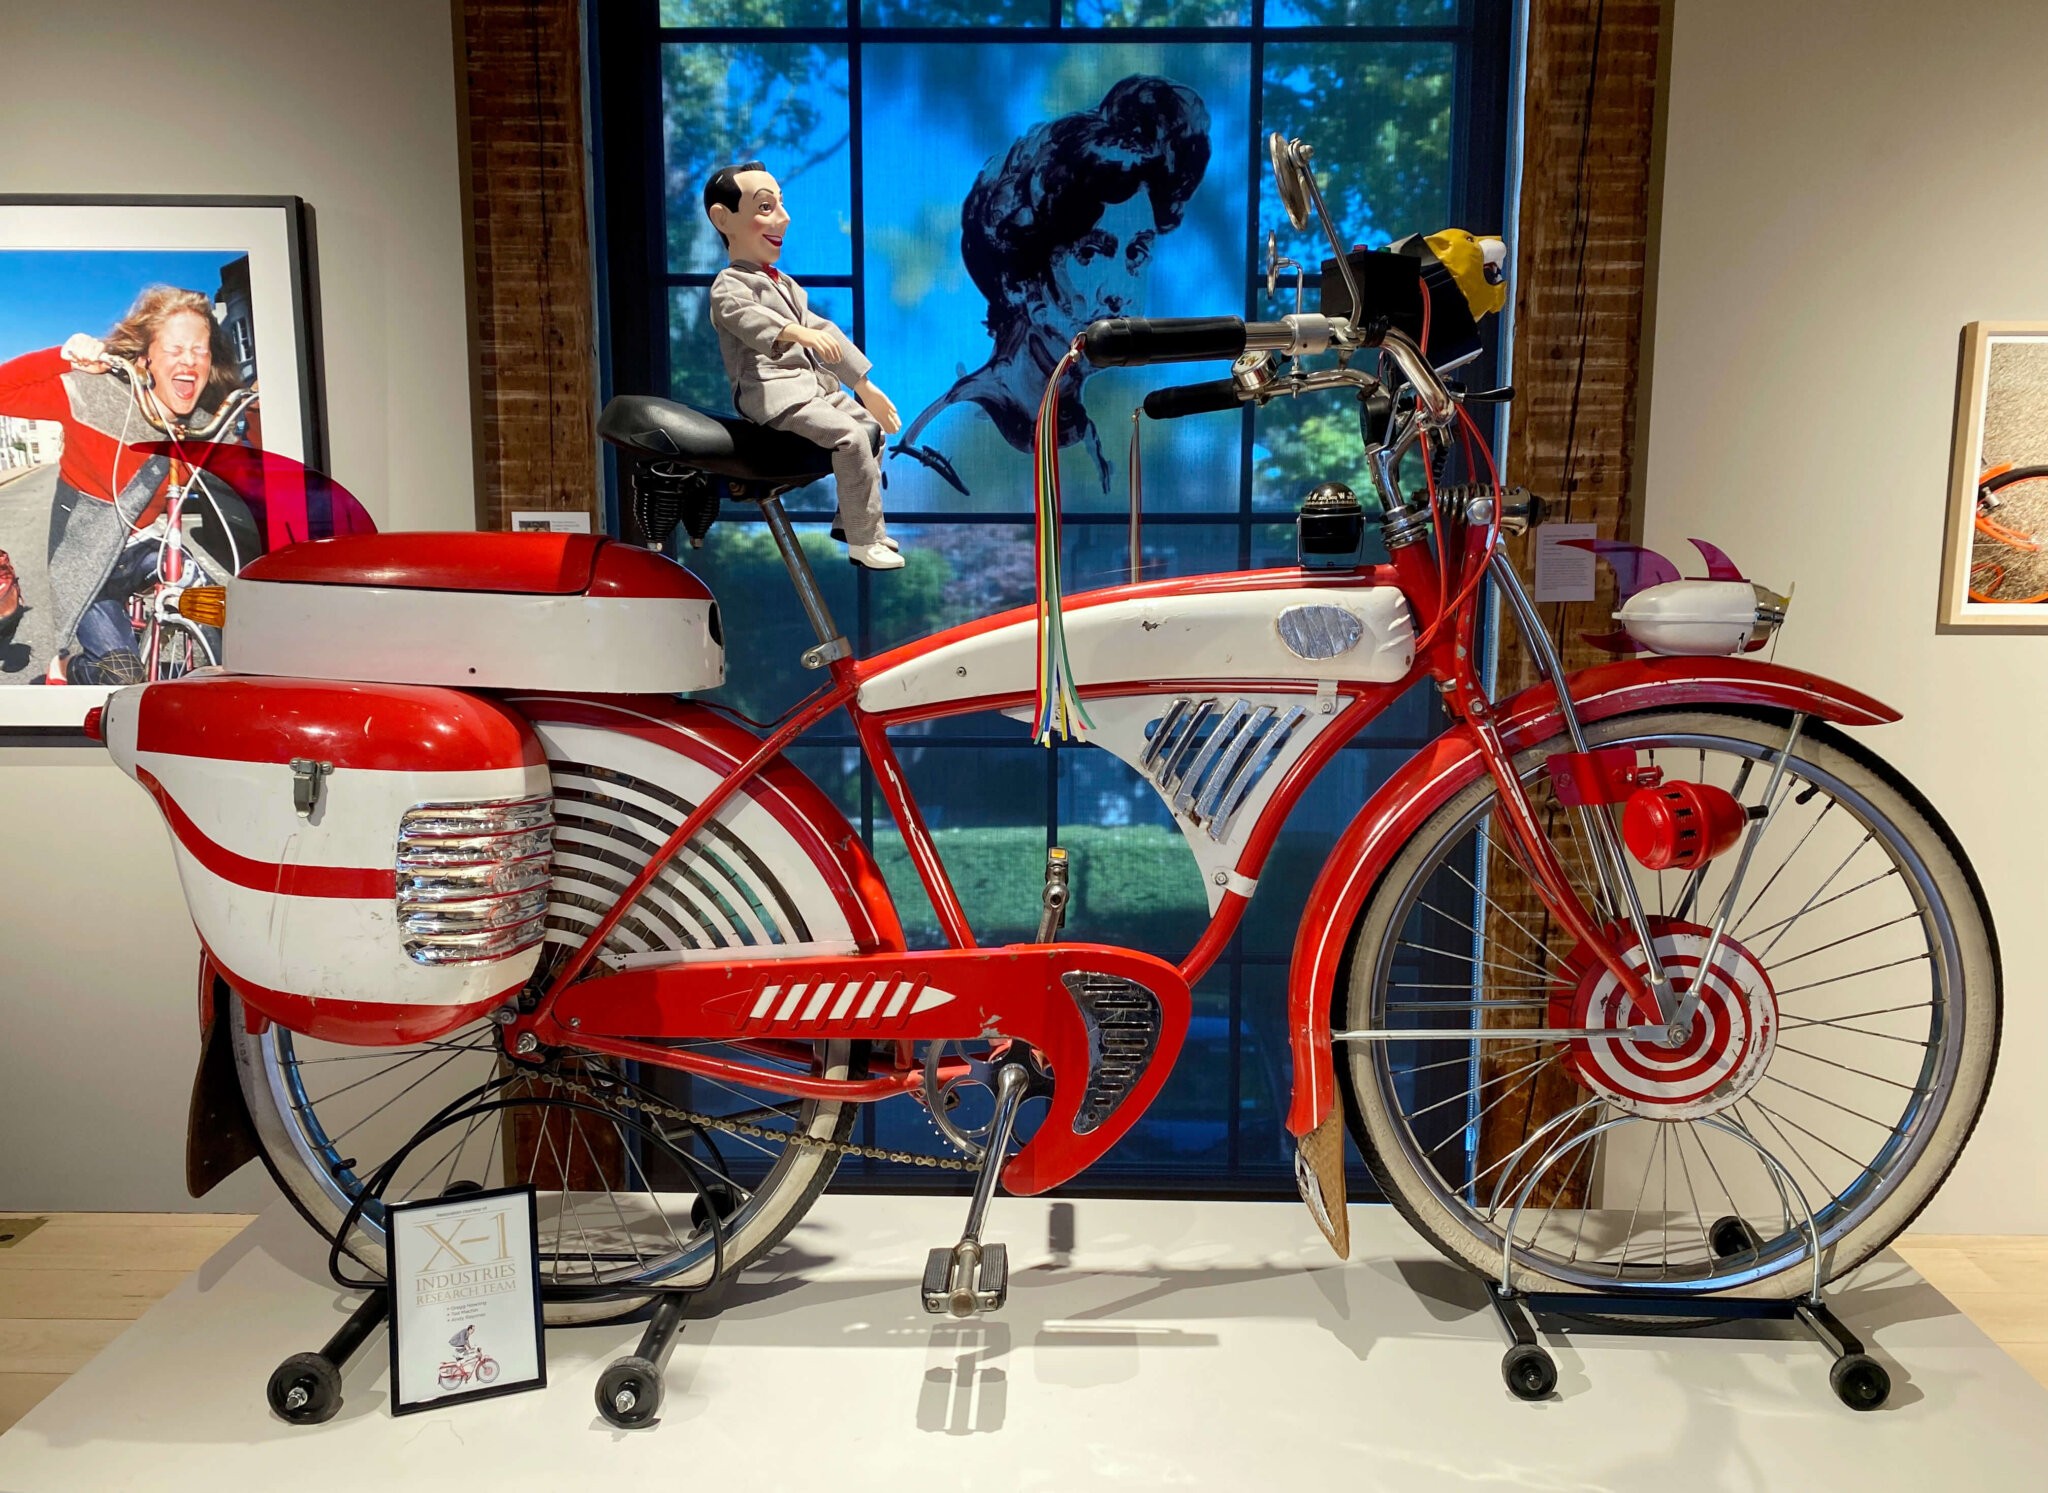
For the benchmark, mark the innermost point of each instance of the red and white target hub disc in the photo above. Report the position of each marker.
(1734, 1027)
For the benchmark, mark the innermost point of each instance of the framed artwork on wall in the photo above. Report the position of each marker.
(1995, 558)
(155, 358)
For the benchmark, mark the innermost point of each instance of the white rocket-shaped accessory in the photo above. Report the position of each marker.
(1709, 616)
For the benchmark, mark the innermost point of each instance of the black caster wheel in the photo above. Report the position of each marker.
(1860, 1382)
(629, 1393)
(1531, 1373)
(462, 1188)
(1732, 1236)
(721, 1198)
(305, 1389)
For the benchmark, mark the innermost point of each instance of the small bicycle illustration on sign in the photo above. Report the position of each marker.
(469, 1363)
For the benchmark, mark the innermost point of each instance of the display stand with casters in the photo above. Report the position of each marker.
(1858, 1380)
(629, 1390)
(306, 1388)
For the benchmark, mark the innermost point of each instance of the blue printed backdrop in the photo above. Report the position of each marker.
(877, 133)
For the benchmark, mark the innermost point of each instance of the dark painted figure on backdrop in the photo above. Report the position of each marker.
(1059, 232)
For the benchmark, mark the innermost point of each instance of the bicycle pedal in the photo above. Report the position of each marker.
(966, 1280)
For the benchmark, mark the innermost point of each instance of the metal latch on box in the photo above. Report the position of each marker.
(307, 776)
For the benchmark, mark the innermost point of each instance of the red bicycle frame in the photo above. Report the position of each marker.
(1444, 606)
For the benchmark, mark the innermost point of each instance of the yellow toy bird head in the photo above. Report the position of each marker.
(1478, 265)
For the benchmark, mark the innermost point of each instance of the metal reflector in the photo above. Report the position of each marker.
(473, 878)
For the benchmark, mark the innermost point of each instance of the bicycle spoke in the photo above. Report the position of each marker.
(1853, 974)
(1907, 917)
(1801, 1052)
(1833, 1104)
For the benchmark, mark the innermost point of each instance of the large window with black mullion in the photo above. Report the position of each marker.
(969, 183)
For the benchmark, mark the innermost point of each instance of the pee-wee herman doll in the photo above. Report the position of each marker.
(789, 367)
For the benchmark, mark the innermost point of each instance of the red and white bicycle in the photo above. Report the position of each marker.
(446, 828)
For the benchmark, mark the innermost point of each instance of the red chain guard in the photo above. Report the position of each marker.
(1109, 1022)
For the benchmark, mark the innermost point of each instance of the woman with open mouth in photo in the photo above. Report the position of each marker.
(109, 515)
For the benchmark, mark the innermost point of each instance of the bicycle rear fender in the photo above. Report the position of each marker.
(220, 1138)
(1443, 768)
(816, 830)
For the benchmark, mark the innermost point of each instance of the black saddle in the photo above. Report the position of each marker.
(722, 445)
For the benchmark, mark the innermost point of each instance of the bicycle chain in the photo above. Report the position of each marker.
(762, 1132)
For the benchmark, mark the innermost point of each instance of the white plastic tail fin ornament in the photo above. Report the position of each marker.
(1709, 616)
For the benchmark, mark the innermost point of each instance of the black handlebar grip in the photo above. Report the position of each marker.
(1192, 399)
(1123, 341)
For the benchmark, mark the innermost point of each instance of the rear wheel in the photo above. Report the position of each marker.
(1849, 1030)
(616, 1210)
(613, 1210)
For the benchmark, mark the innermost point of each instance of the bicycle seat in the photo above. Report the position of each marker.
(725, 445)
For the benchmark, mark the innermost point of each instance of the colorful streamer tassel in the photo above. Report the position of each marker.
(1059, 703)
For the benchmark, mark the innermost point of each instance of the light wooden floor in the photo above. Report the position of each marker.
(68, 1288)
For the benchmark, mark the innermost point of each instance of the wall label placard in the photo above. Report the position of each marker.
(1565, 572)
(465, 1299)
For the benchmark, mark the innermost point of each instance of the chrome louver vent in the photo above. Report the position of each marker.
(473, 879)
(1206, 759)
(714, 893)
(1122, 1017)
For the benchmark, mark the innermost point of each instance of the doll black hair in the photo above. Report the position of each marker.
(723, 188)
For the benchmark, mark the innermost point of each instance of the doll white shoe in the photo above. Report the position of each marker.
(880, 555)
(889, 540)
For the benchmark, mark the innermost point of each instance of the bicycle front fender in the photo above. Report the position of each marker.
(1443, 768)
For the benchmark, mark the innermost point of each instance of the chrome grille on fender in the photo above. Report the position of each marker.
(473, 879)
(714, 893)
(1122, 1017)
(1207, 761)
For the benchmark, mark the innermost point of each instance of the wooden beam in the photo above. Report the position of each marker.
(1584, 251)
(533, 314)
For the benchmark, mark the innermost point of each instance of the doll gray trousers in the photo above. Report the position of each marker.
(837, 422)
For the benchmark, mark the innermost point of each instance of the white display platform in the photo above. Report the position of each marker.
(1188, 1345)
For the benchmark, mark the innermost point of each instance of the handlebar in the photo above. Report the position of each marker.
(1125, 341)
(1192, 399)
(231, 408)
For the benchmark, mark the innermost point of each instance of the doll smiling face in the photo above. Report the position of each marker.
(754, 230)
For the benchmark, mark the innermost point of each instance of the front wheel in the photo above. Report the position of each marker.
(1841, 1055)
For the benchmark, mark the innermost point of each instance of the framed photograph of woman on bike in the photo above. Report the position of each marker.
(154, 354)
(1995, 561)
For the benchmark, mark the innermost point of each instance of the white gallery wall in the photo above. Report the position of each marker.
(352, 107)
(1846, 184)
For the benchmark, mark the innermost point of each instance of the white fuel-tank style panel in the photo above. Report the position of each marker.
(476, 639)
(1364, 635)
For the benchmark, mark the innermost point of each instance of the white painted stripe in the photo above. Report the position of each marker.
(845, 1000)
(818, 1001)
(896, 1001)
(874, 998)
(796, 993)
(767, 999)
(931, 998)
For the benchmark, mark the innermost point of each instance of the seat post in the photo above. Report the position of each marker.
(831, 644)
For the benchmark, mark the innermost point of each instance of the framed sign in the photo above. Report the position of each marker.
(127, 323)
(1995, 554)
(465, 1299)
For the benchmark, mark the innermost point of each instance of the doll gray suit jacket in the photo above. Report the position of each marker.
(749, 309)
